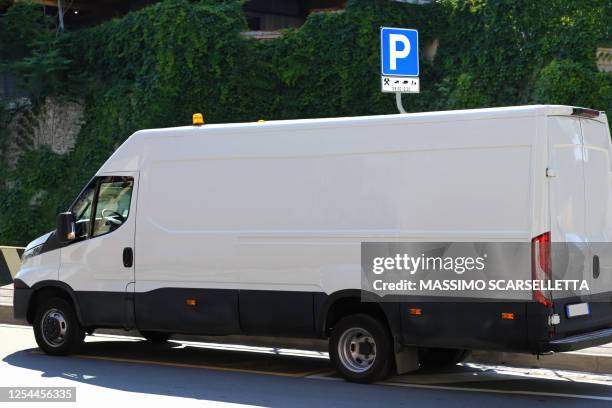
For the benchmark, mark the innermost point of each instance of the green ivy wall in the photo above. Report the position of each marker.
(155, 67)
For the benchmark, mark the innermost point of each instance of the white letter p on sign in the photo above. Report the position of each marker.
(394, 53)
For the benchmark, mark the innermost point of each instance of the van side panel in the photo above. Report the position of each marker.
(240, 210)
(214, 311)
(273, 213)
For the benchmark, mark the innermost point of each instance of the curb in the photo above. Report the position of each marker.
(6, 315)
(574, 361)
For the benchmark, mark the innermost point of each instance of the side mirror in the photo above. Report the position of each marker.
(65, 227)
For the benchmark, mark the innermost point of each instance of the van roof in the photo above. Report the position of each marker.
(419, 117)
(127, 157)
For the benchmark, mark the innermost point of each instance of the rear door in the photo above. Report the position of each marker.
(598, 220)
(570, 250)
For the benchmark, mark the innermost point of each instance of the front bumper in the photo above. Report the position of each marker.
(580, 341)
(21, 303)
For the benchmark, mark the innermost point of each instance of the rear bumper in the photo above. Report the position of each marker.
(580, 341)
(21, 302)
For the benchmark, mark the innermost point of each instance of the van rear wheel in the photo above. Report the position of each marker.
(156, 337)
(361, 349)
(56, 327)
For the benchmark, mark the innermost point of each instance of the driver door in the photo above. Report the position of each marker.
(99, 264)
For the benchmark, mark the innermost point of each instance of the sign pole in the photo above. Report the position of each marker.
(398, 101)
(399, 62)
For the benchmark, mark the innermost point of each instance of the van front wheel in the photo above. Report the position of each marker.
(56, 327)
(361, 349)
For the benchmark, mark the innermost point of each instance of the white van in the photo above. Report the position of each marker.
(255, 229)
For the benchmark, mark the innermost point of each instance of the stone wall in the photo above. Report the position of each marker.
(604, 59)
(55, 123)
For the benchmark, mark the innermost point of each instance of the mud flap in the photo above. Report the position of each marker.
(406, 360)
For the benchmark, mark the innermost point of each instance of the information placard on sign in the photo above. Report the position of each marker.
(399, 65)
(400, 84)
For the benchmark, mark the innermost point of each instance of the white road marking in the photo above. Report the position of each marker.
(115, 336)
(233, 347)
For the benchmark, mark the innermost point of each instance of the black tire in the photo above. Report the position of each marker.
(432, 359)
(156, 337)
(56, 327)
(342, 344)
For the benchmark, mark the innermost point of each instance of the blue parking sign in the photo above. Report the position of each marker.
(399, 49)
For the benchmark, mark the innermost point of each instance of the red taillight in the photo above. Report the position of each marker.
(541, 265)
(544, 255)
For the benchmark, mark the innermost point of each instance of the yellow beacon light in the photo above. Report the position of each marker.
(198, 119)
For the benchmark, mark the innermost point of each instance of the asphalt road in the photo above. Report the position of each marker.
(126, 371)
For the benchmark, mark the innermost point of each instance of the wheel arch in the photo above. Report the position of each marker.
(48, 288)
(349, 301)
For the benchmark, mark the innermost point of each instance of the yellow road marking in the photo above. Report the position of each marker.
(185, 365)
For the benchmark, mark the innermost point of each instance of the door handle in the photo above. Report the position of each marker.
(128, 257)
(595, 266)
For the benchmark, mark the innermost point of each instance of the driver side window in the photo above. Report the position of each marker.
(114, 196)
(82, 210)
